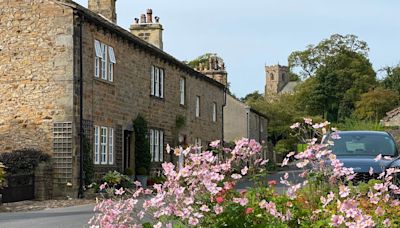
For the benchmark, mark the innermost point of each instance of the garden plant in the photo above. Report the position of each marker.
(202, 193)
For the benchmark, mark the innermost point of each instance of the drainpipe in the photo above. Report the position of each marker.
(248, 122)
(81, 131)
(223, 106)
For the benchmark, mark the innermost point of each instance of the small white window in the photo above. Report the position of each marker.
(156, 85)
(103, 143)
(152, 80)
(161, 146)
(104, 61)
(111, 146)
(156, 148)
(161, 83)
(111, 64)
(182, 91)
(97, 47)
(112, 55)
(96, 145)
(152, 144)
(197, 106)
(214, 113)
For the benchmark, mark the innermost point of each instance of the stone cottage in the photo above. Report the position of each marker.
(67, 71)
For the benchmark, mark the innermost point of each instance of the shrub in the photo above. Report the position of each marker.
(142, 146)
(117, 180)
(23, 161)
(88, 167)
(3, 180)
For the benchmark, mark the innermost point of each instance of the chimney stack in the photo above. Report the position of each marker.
(149, 16)
(148, 30)
(104, 7)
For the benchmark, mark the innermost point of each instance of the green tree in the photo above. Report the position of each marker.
(337, 84)
(375, 103)
(252, 96)
(392, 79)
(142, 146)
(315, 56)
(203, 59)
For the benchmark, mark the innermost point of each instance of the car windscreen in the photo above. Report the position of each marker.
(364, 144)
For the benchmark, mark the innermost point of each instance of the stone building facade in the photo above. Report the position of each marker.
(215, 69)
(50, 45)
(242, 121)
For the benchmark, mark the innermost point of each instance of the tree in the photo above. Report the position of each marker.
(316, 56)
(337, 84)
(392, 79)
(375, 103)
(204, 59)
(142, 146)
(252, 96)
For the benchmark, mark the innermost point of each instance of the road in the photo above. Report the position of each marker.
(69, 217)
(78, 216)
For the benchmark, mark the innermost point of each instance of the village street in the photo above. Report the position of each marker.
(78, 216)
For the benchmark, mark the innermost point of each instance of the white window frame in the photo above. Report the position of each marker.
(152, 79)
(197, 106)
(182, 85)
(152, 144)
(157, 145)
(157, 81)
(104, 74)
(96, 145)
(111, 146)
(103, 145)
(113, 61)
(98, 53)
(214, 112)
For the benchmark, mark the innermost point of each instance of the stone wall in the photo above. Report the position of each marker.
(43, 181)
(35, 72)
(119, 102)
(235, 119)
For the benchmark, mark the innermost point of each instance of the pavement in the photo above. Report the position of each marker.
(68, 217)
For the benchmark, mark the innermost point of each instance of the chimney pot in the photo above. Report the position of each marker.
(149, 16)
(137, 20)
(157, 19)
(142, 18)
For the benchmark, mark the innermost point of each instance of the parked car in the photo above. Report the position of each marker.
(359, 150)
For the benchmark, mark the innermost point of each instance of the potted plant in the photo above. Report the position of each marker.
(130, 173)
(142, 150)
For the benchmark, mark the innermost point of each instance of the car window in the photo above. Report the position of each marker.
(364, 144)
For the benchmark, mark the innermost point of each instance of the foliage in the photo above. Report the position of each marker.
(202, 193)
(141, 171)
(285, 146)
(129, 171)
(23, 161)
(337, 86)
(180, 122)
(392, 79)
(374, 104)
(315, 56)
(142, 146)
(3, 180)
(360, 125)
(88, 167)
(204, 59)
(252, 96)
(114, 178)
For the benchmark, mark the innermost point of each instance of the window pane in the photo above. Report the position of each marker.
(197, 106)
(104, 62)
(152, 79)
(152, 144)
(161, 146)
(111, 55)
(96, 145)
(156, 148)
(97, 48)
(111, 147)
(111, 72)
(182, 91)
(156, 85)
(103, 141)
(214, 114)
(161, 83)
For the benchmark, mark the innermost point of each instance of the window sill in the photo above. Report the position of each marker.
(104, 81)
(158, 98)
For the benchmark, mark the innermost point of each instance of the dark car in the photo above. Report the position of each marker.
(359, 150)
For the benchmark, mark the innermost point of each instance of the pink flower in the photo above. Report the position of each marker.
(193, 221)
(168, 148)
(120, 191)
(158, 225)
(371, 171)
(244, 170)
(272, 183)
(215, 143)
(344, 191)
(241, 201)
(103, 186)
(248, 210)
(378, 157)
(386, 222)
(308, 121)
(236, 176)
(379, 211)
(204, 208)
(218, 209)
(264, 162)
(219, 199)
(285, 162)
(295, 125)
(337, 220)
(290, 154)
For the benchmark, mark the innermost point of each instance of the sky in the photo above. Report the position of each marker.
(251, 34)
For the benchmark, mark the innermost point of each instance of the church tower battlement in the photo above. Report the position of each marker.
(276, 77)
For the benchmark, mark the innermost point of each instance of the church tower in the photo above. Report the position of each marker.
(276, 77)
(148, 30)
